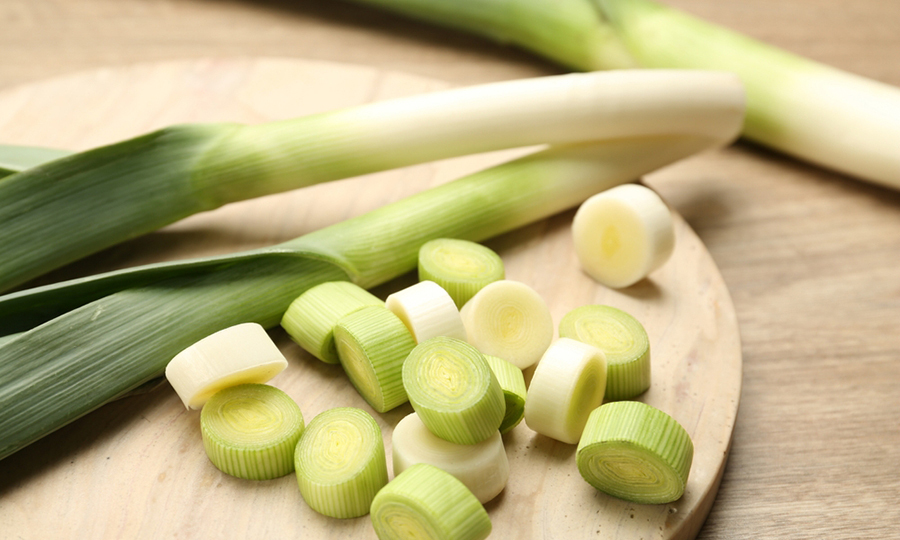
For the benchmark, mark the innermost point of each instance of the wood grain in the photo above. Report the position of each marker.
(114, 472)
(812, 259)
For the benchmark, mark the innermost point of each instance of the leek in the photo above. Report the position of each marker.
(15, 159)
(250, 431)
(800, 107)
(428, 311)
(65, 209)
(88, 341)
(462, 268)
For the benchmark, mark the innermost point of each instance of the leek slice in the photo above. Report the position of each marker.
(635, 452)
(427, 311)
(250, 431)
(623, 234)
(340, 462)
(512, 382)
(454, 391)
(621, 338)
(239, 354)
(372, 344)
(461, 267)
(310, 319)
(510, 320)
(425, 502)
(568, 383)
(482, 467)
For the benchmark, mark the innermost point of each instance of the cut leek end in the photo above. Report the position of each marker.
(623, 234)
(482, 467)
(622, 339)
(510, 320)
(461, 267)
(568, 383)
(454, 391)
(372, 344)
(425, 502)
(250, 431)
(428, 311)
(310, 319)
(340, 462)
(635, 452)
(240, 354)
(512, 382)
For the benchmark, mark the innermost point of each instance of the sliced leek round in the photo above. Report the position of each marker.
(425, 502)
(510, 320)
(340, 462)
(623, 234)
(621, 338)
(311, 317)
(428, 311)
(567, 385)
(512, 382)
(482, 467)
(454, 391)
(461, 267)
(239, 354)
(635, 452)
(250, 431)
(372, 344)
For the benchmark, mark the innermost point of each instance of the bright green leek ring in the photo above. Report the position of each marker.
(310, 319)
(635, 452)
(461, 267)
(250, 431)
(372, 344)
(340, 462)
(426, 502)
(622, 339)
(454, 391)
(512, 382)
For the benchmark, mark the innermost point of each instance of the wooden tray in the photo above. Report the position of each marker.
(136, 468)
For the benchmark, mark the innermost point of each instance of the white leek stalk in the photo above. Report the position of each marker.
(428, 311)
(240, 354)
(568, 383)
(425, 502)
(454, 391)
(372, 344)
(340, 462)
(635, 452)
(800, 107)
(461, 267)
(482, 467)
(510, 320)
(512, 382)
(310, 319)
(621, 338)
(250, 431)
(623, 234)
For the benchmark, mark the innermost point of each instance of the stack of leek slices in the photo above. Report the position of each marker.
(418, 346)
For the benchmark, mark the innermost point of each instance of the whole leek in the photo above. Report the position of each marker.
(70, 207)
(803, 108)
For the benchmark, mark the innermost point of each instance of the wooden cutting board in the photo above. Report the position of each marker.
(136, 468)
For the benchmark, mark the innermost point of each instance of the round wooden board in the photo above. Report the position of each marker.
(136, 468)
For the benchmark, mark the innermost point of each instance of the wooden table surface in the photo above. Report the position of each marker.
(812, 258)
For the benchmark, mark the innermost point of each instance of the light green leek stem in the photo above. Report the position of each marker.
(15, 159)
(512, 381)
(77, 361)
(461, 267)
